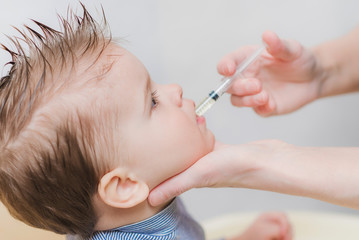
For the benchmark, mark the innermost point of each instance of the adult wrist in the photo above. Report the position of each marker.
(325, 69)
(336, 65)
(270, 167)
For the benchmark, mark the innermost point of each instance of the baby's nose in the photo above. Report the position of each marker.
(177, 93)
(178, 89)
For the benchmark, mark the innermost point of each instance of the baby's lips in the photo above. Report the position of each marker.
(200, 119)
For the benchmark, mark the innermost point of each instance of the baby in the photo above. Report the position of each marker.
(85, 134)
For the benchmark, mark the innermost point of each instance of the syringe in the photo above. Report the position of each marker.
(209, 101)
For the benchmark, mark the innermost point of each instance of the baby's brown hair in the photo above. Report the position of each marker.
(50, 153)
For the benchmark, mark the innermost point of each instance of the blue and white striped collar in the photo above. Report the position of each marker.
(161, 226)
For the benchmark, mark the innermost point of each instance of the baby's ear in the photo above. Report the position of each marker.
(122, 189)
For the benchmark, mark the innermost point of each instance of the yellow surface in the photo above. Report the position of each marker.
(11, 229)
(306, 225)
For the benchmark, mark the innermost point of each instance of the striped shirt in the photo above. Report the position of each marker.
(171, 223)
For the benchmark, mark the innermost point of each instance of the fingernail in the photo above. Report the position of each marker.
(159, 199)
(230, 68)
(261, 98)
(226, 70)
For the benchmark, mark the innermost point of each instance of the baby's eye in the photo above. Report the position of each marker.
(154, 96)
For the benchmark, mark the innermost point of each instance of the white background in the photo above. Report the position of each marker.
(182, 41)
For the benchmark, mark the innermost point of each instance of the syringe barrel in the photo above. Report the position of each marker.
(209, 101)
(226, 82)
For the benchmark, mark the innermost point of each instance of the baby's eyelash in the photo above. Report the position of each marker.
(154, 96)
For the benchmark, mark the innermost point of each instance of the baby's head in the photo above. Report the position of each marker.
(80, 119)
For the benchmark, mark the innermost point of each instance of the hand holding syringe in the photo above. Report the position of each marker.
(209, 101)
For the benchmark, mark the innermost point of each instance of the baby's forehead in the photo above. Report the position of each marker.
(115, 53)
(117, 76)
(118, 64)
(94, 69)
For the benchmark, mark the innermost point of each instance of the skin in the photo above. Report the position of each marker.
(268, 226)
(160, 136)
(161, 123)
(163, 138)
(288, 77)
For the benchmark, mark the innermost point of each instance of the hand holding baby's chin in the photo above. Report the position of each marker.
(268, 226)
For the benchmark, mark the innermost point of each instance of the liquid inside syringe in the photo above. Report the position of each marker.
(214, 95)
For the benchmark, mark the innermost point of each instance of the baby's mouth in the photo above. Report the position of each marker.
(200, 119)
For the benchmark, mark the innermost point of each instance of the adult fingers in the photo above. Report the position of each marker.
(285, 50)
(192, 177)
(245, 86)
(263, 104)
(171, 188)
(228, 64)
(255, 100)
(266, 109)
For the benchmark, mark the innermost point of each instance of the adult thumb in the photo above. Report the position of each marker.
(200, 174)
(172, 187)
(284, 50)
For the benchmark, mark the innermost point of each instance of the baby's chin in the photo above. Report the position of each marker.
(207, 147)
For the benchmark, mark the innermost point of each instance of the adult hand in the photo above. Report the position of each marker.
(286, 77)
(272, 165)
(226, 166)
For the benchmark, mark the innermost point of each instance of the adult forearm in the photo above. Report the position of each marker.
(338, 65)
(328, 174)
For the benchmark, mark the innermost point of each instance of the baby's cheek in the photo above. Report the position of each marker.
(205, 146)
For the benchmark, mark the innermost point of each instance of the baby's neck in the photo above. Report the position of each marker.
(109, 218)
